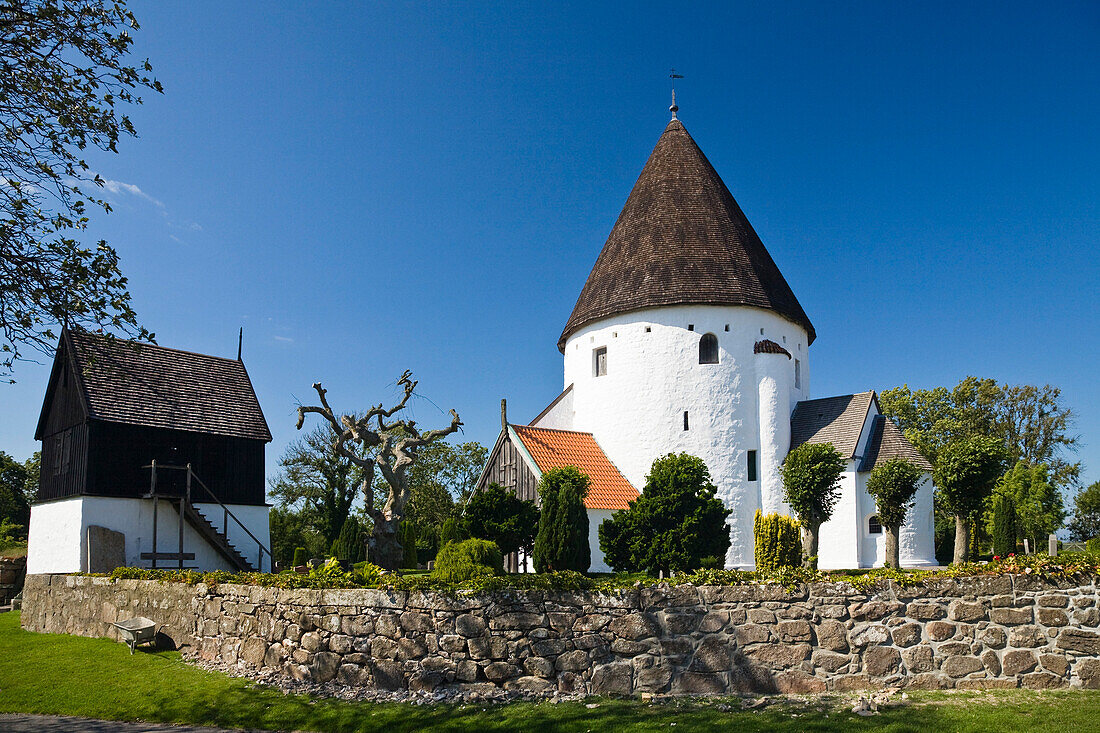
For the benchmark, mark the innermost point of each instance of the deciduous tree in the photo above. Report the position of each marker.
(1039, 510)
(811, 480)
(378, 440)
(893, 484)
(1086, 514)
(64, 83)
(966, 472)
(318, 481)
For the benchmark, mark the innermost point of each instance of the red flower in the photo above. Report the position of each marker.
(996, 557)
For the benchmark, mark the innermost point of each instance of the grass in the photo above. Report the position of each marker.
(97, 678)
(18, 549)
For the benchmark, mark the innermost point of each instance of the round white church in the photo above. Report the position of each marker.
(686, 337)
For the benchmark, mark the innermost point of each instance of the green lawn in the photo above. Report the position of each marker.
(67, 675)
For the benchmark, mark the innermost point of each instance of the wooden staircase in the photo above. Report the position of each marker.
(216, 539)
(186, 510)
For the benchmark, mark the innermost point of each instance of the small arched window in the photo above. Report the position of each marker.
(708, 349)
(874, 526)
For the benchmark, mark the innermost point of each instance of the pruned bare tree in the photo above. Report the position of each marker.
(391, 446)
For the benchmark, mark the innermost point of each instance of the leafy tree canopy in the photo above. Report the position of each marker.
(1038, 504)
(498, 515)
(1086, 514)
(966, 472)
(64, 82)
(13, 480)
(675, 523)
(318, 482)
(1032, 421)
(811, 478)
(893, 484)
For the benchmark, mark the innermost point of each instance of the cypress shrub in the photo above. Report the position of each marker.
(562, 539)
(778, 542)
(349, 545)
(301, 556)
(1004, 525)
(461, 561)
(409, 535)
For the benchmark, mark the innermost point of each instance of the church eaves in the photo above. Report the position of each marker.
(681, 239)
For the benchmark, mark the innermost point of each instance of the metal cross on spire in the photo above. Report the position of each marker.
(674, 76)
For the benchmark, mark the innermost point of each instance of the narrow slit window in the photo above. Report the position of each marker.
(797, 374)
(751, 465)
(685, 419)
(599, 362)
(708, 349)
(691, 326)
(874, 525)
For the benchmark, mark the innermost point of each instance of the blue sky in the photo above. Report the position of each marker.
(373, 187)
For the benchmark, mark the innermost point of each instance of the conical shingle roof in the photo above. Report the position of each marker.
(682, 239)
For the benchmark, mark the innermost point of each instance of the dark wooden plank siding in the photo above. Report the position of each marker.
(64, 463)
(65, 406)
(507, 468)
(233, 468)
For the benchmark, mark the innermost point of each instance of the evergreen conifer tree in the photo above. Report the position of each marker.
(562, 539)
(1004, 525)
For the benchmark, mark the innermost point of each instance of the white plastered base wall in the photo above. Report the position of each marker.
(57, 540)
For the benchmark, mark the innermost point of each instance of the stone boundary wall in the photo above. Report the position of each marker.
(13, 570)
(985, 632)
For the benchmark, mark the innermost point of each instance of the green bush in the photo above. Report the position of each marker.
(562, 539)
(778, 542)
(1092, 546)
(367, 573)
(675, 523)
(451, 532)
(1004, 525)
(497, 514)
(11, 535)
(458, 562)
(301, 556)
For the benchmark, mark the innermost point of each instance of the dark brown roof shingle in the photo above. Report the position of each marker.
(767, 346)
(887, 441)
(837, 420)
(682, 239)
(153, 386)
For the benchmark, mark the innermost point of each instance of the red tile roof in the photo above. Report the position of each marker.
(557, 448)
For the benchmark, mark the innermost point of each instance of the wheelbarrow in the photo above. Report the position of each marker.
(136, 631)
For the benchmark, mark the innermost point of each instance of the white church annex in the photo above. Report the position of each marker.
(686, 337)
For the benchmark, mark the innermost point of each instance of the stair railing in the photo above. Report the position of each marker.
(227, 514)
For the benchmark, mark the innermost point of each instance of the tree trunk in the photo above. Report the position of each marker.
(962, 540)
(385, 549)
(893, 555)
(809, 545)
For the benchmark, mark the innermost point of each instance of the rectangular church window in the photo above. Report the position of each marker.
(599, 366)
(797, 374)
(685, 419)
(752, 465)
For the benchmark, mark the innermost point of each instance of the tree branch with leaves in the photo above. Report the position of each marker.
(64, 81)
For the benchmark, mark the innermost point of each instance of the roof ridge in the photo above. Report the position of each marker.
(553, 430)
(148, 344)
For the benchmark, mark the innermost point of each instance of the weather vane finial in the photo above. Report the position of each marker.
(674, 76)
